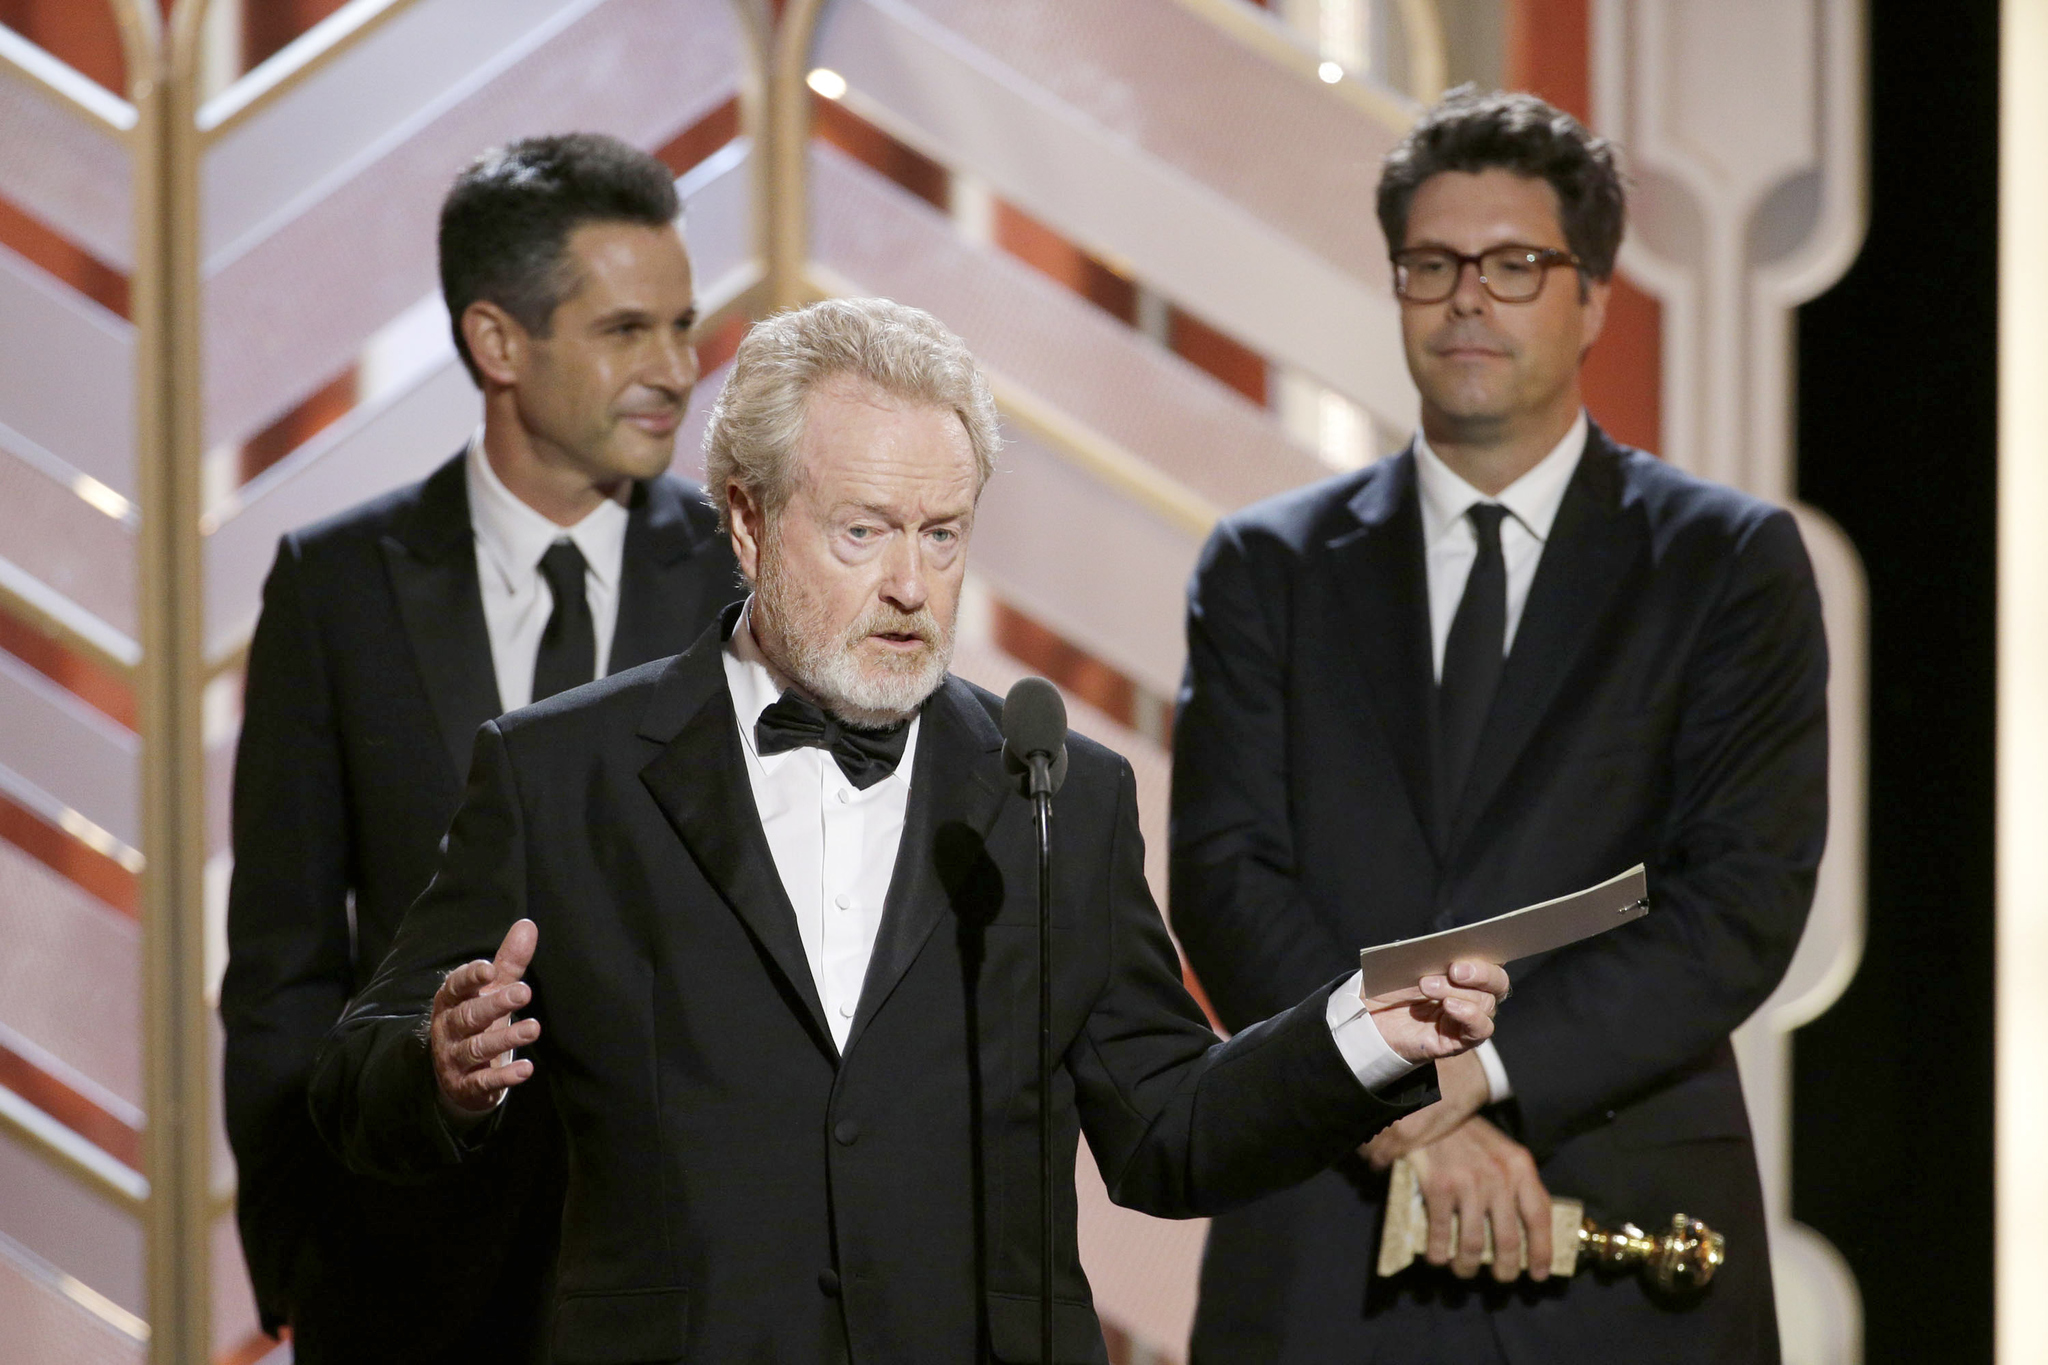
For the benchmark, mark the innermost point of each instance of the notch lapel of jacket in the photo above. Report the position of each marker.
(699, 779)
(1380, 565)
(655, 592)
(1592, 545)
(956, 781)
(431, 561)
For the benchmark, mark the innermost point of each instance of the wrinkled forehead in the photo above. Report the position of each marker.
(865, 447)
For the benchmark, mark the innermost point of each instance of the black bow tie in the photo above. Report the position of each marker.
(865, 756)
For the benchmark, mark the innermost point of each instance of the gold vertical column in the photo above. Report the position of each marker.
(785, 174)
(165, 293)
(757, 24)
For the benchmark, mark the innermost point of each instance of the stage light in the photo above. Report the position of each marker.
(1331, 73)
(102, 497)
(826, 82)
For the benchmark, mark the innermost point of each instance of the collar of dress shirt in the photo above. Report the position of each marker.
(514, 536)
(757, 685)
(1532, 500)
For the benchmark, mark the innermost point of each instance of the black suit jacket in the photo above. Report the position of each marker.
(368, 677)
(738, 1189)
(1663, 703)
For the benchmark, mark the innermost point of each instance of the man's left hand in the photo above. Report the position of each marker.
(1441, 1016)
(1481, 1177)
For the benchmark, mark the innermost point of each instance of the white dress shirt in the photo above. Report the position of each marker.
(1449, 546)
(510, 540)
(835, 845)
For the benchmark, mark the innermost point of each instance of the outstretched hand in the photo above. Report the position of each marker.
(1442, 1015)
(473, 1033)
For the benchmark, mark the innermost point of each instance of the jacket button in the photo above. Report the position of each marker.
(828, 1282)
(847, 1131)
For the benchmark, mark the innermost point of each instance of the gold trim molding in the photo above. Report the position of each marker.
(72, 91)
(306, 56)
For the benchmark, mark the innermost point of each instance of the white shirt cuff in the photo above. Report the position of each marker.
(1497, 1087)
(1357, 1037)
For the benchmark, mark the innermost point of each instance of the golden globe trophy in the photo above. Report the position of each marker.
(1675, 1263)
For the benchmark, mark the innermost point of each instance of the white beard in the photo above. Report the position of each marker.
(871, 692)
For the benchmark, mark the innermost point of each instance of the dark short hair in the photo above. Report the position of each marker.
(1512, 131)
(505, 225)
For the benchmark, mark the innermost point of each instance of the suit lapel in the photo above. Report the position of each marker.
(431, 561)
(1585, 563)
(699, 779)
(656, 596)
(956, 784)
(1379, 567)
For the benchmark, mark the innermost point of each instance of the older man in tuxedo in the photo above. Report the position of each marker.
(768, 910)
(549, 551)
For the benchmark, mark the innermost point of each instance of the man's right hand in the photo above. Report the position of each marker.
(1443, 1014)
(473, 1033)
(1479, 1173)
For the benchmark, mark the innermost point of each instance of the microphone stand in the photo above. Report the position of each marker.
(1041, 803)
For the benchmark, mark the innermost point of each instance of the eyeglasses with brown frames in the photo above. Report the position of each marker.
(1511, 274)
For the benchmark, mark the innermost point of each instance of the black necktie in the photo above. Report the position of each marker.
(1472, 664)
(568, 647)
(865, 756)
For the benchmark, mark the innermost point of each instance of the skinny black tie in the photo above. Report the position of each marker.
(865, 756)
(568, 647)
(1472, 664)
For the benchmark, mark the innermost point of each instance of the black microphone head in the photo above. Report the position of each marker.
(1035, 722)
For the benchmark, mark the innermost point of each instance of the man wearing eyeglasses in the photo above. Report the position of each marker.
(1512, 660)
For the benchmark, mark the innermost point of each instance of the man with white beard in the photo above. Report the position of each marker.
(767, 912)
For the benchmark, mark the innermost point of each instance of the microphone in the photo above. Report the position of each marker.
(1035, 747)
(1035, 728)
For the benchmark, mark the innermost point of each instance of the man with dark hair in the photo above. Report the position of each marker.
(1512, 660)
(552, 550)
(1516, 132)
(505, 224)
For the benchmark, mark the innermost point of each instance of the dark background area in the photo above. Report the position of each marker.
(1892, 1143)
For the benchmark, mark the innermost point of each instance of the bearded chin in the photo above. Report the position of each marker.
(832, 667)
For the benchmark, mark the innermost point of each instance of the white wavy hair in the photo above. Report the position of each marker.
(758, 421)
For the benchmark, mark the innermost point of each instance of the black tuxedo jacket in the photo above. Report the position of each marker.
(1663, 703)
(368, 677)
(739, 1189)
